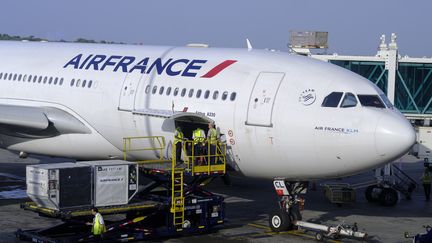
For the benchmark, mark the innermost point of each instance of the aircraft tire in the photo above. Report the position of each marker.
(389, 197)
(368, 194)
(279, 221)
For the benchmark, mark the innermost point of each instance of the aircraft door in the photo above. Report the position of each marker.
(129, 91)
(261, 101)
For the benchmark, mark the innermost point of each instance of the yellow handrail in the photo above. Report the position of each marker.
(156, 143)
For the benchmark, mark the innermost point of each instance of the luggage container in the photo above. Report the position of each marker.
(60, 185)
(115, 182)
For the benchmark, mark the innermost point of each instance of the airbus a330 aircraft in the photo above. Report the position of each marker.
(282, 115)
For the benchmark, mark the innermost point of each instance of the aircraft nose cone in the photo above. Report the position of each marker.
(394, 136)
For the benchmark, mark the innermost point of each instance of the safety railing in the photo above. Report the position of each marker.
(137, 145)
(204, 158)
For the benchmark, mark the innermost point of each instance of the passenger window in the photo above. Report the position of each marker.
(78, 82)
(371, 101)
(183, 93)
(1, 75)
(176, 90)
(89, 84)
(215, 94)
(332, 100)
(233, 96)
(161, 90)
(198, 94)
(55, 81)
(34, 79)
(206, 94)
(147, 89)
(15, 76)
(72, 82)
(10, 76)
(154, 89)
(50, 80)
(40, 79)
(168, 92)
(349, 101)
(84, 83)
(225, 95)
(191, 92)
(61, 81)
(45, 79)
(30, 78)
(20, 77)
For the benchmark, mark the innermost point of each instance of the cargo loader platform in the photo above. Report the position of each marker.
(170, 199)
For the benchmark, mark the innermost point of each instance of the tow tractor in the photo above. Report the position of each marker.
(171, 200)
(288, 216)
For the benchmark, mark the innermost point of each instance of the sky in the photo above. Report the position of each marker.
(354, 26)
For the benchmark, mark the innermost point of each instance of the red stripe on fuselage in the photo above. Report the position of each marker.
(218, 68)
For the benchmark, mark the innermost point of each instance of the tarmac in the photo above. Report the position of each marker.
(248, 203)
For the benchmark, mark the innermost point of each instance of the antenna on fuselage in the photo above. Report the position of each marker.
(249, 45)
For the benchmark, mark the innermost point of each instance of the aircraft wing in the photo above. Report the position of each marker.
(38, 122)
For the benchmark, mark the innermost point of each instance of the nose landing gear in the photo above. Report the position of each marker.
(289, 202)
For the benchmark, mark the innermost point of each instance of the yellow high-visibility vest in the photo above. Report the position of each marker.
(426, 178)
(198, 136)
(98, 228)
(178, 136)
(212, 138)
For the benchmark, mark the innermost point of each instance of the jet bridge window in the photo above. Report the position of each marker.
(332, 100)
(349, 100)
(371, 101)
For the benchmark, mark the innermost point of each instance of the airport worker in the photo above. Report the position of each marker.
(198, 137)
(98, 225)
(426, 180)
(178, 143)
(212, 140)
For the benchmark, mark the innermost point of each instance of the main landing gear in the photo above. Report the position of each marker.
(290, 204)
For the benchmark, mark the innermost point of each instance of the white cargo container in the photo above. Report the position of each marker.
(115, 182)
(89, 183)
(60, 185)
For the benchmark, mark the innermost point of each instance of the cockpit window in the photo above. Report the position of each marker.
(349, 101)
(371, 100)
(332, 100)
(386, 101)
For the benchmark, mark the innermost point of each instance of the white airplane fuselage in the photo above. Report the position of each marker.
(269, 106)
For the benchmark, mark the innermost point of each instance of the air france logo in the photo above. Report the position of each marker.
(307, 97)
(129, 64)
